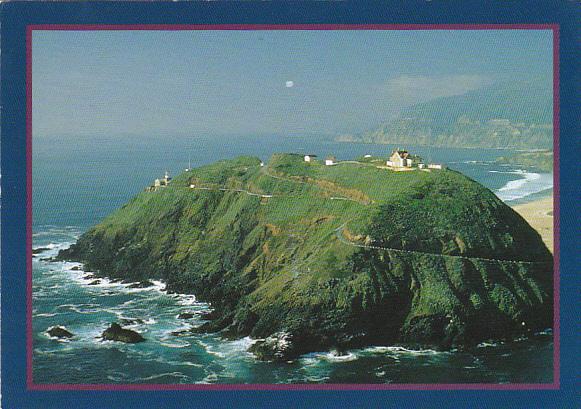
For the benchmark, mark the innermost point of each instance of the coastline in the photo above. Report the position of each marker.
(539, 214)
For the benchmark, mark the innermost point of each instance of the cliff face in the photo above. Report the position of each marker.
(317, 256)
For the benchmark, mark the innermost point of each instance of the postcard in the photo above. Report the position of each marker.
(198, 208)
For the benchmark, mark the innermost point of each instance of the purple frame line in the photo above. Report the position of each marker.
(311, 27)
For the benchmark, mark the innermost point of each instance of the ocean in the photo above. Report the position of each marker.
(77, 185)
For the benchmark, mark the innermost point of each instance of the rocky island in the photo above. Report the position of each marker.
(309, 257)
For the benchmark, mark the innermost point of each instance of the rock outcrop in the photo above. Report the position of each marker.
(116, 333)
(276, 251)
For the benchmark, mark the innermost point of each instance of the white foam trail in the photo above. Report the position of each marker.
(489, 344)
(175, 344)
(403, 351)
(529, 184)
(333, 356)
(52, 249)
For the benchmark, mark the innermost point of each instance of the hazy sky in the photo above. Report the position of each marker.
(90, 83)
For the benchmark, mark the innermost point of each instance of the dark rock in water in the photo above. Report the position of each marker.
(205, 328)
(90, 277)
(95, 282)
(116, 333)
(59, 332)
(437, 331)
(75, 268)
(277, 347)
(47, 259)
(185, 315)
(117, 280)
(209, 315)
(142, 284)
(39, 250)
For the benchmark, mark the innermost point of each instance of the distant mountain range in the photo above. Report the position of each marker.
(515, 115)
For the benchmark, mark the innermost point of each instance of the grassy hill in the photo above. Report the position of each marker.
(332, 256)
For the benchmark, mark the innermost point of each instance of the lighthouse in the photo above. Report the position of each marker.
(166, 178)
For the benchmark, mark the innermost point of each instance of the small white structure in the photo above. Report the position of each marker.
(159, 183)
(421, 165)
(434, 166)
(261, 164)
(166, 179)
(331, 160)
(192, 186)
(310, 158)
(399, 159)
(367, 156)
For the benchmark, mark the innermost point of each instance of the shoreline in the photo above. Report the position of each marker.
(539, 214)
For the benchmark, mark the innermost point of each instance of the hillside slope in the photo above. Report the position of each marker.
(317, 256)
(514, 115)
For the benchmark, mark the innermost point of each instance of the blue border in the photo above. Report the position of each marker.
(15, 17)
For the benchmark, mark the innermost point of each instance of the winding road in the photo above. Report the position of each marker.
(339, 230)
(342, 239)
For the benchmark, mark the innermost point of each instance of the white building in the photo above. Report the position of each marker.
(310, 158)
(399, 159)
(331, 160)
(435, 166)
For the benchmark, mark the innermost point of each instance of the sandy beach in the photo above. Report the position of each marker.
(539, 214)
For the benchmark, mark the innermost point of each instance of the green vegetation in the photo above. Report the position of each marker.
(289, 262)
(542, 160)
(516, 115)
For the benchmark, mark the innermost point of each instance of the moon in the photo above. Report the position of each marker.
(290, 84)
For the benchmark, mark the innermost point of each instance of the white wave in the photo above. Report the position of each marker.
(334, 356)
(175, 344)
(211, 378)
(177, 363)
(187, 300)
(209, 349)
(51, 249)
(161, 375)
(547, 331)
(530, 183)
(516, 184)
(489, 344)
(82, 308)
(45, 314)
(398, 350)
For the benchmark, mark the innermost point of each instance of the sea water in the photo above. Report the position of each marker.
(76, 184)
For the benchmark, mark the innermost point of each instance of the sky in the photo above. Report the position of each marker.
(92, 83)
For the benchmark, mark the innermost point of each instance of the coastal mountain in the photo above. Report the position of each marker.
(507, 115)
(308, 257)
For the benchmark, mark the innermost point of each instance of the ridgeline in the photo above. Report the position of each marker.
(311, 257)
(507, 115)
